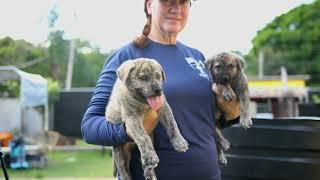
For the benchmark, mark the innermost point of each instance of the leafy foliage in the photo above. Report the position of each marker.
(51, 61)
(291, 40)
(87, 65)
(316, 99)
(18, 52)
(53, 90)
(9, 88)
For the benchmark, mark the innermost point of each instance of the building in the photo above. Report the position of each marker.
(277, 96)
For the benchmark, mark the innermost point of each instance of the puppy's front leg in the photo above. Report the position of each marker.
(226, 91)
(149, 157)
(225, 144)
(244, 98)
(167, 120)
(222, 145)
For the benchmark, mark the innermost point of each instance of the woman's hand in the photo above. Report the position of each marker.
(230, 109)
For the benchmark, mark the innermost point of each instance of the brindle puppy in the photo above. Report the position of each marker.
(227, 70)
(138, 90)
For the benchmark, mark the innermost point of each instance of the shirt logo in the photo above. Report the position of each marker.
(198, 66)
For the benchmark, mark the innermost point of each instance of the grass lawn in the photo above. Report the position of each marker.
(70, 164)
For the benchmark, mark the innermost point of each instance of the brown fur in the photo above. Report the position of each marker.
(226, 69)
(137, 80)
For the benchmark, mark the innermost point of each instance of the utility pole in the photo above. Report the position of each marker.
(260, 63)
(284, 78)
(72, 48)
(70, 64)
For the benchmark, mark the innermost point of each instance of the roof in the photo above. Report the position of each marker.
(261, 93)
(278, 86)
(290, 77)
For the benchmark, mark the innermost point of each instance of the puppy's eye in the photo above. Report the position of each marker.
(231, 66)
(158, 76)
(143, 77)
(217, 66)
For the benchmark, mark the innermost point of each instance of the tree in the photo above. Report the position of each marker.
(291, 40)
(18, 52)
(58, 53)
(88, 64)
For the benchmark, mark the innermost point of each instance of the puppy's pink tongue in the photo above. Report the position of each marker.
(155, 102)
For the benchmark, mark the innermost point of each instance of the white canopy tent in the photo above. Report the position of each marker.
(33, 90)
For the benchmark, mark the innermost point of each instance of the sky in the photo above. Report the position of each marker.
(213, 26)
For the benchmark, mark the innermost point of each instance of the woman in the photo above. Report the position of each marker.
(187, 89)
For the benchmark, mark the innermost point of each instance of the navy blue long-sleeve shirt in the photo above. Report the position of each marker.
(188, 91)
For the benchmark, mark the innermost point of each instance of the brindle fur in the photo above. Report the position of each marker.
(227, 70)
(137, 80)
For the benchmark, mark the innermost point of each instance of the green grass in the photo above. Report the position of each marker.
(71, 164)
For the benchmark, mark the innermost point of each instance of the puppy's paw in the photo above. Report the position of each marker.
(126, 177)
(245, 122)
(225, 144)
(150, 160)
(180, 144)
(223, 159)
(149, 174)
(229, 95)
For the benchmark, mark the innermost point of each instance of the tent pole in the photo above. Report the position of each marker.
(46, 117)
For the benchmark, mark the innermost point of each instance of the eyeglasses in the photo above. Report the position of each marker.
(174, 2)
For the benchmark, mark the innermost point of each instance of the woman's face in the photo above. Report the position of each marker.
(168, 16)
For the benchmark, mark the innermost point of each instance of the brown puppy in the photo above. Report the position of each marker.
(137, 91)
(227, 71)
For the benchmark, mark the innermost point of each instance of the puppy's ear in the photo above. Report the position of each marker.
(163, 75)
(209, 63)
(159, 65)
(240, 62)
(125, 69)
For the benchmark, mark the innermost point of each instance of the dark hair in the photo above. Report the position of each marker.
(142, 40)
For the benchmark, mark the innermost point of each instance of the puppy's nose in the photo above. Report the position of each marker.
(225, 79)
(157, 90)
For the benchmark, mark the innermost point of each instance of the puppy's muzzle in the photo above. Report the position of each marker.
(157, 89)
(225, 79)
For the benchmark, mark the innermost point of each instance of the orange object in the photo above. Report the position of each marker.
(150, 121)
(5, 138)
